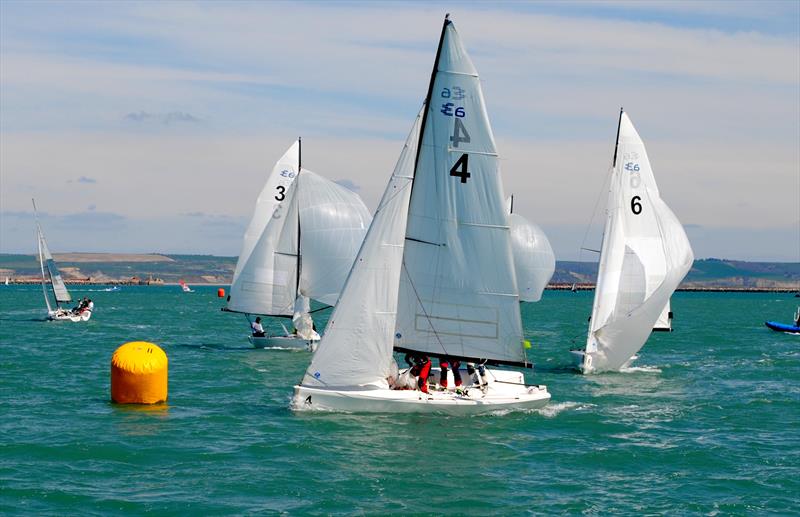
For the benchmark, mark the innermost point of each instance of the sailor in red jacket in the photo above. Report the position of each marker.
(420, 368)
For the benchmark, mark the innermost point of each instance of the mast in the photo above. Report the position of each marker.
(616, 141)
(41, 260)
(428, 97)
(299, 259)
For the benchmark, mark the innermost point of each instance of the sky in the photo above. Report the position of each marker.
(152, 126)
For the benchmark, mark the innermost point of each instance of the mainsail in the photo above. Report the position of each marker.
(458, 293)
(644, 257)
(272, 194)
(356, 349)
(534, 260)
(304, 250)
(50, 273)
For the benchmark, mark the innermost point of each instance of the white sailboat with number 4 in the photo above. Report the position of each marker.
(435, 275)
(300, 244)
(644, 256)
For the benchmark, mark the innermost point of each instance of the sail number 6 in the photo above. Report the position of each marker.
(636, 206)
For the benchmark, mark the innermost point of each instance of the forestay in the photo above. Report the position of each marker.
(356, 349)
(534, 260)
(458, 293)
(645, 256)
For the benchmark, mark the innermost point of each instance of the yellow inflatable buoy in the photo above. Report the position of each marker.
(139, 374)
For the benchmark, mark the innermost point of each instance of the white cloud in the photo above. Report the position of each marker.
(719, 110)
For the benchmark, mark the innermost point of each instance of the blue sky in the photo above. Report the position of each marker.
(144, 126)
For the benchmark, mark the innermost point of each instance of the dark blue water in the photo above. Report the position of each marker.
(709, 422)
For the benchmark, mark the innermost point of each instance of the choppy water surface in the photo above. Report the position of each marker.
(707, 423)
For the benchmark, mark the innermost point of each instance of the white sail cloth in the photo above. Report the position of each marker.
(319, 220)
(272, 194)
(664, 321)
(56, 281)
(534, 260)
(356, 348)
(645, 256)
(458, 293)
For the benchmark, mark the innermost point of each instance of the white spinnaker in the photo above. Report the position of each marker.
(356, 349)
(645, 256)
(267, 281)
(333, 222)
(283, 174)
(59, 288)
(458, 292)
(534, 260)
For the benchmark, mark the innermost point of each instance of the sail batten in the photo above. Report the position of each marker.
(644, 257)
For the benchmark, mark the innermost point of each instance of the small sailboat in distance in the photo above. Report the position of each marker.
(51, 277)
(435, 275)
(185, 288)
(644, 256)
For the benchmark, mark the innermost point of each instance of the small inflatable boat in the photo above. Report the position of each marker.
(783, 327)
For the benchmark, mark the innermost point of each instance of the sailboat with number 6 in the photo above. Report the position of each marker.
(644, 256)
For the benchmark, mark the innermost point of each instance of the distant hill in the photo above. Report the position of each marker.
(210, 269)
(710, 272)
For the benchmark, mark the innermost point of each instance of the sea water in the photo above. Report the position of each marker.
(706, 422)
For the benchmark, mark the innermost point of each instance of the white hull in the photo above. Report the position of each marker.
(288, 342)
(585, 367)
(505, 391)
(62, 315)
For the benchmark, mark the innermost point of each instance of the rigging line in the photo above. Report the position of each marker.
(594, 210)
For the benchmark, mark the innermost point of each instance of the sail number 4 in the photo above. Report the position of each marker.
(459, 169)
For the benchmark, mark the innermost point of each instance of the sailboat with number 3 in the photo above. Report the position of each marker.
(435, 274)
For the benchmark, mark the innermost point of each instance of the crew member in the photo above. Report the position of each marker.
(420, 368)
(258, 330)
(445, 363)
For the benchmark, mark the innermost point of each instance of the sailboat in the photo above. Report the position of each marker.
(435, 274)
(644, 256)
(51, 277)
(300, 244)
(534, 260)
(185, 288)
